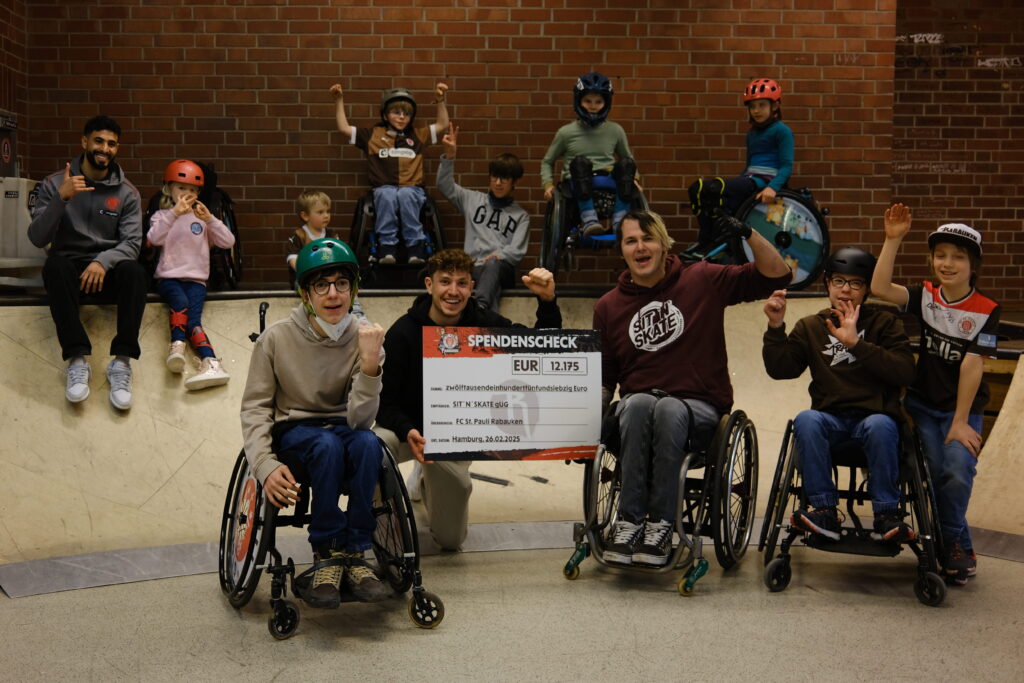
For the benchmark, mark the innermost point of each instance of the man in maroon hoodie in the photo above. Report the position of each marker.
(663, 346)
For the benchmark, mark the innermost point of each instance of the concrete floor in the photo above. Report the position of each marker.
(510, 616)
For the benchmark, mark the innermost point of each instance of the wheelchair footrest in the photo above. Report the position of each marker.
(854, 543)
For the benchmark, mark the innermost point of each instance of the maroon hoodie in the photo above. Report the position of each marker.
(671, 336)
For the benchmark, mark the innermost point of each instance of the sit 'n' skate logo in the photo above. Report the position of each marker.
(656, 325)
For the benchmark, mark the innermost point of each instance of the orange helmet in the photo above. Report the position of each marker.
(762, 89)
(184, 171)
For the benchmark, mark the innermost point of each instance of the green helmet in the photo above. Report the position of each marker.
(323, 254)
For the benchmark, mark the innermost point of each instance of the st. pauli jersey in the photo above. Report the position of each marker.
(395, 157)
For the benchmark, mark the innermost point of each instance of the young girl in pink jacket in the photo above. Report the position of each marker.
(186, 230)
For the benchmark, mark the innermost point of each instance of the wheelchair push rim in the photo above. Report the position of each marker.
(395, 540)
(795, 225)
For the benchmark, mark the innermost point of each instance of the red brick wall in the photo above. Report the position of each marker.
(246, 85)
(14, 65)
(959, 136)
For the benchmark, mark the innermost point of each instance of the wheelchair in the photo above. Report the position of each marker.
(917, 497)
(225, 264)
(365, 244)
(248, 535)
(562, 233)
(793, 222)
(717, 501)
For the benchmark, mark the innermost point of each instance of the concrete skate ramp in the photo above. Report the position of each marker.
(997, 502)
(86, 478)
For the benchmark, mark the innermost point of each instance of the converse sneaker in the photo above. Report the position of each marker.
(890, 528)
(361, 580)
(119, 375)
(824, 522)
(654, 548)
(625, 537)
(325, 590)
(388, 253)
(78, 373)
(176, 357)
(211, 374)
(414, 483)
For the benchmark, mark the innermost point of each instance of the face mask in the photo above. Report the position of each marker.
(333, 331)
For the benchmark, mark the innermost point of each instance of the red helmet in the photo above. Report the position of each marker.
(184, 171)
(762, 89)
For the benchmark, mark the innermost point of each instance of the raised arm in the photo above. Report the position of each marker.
(339, 111)
(441, 92)
(897, 224)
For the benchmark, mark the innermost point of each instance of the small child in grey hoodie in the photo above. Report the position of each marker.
(497, 229)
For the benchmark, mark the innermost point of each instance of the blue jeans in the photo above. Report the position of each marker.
(188, 297)
(653, 431)
(878, 435)
(390, 203)
(339, 461)
(951, 465)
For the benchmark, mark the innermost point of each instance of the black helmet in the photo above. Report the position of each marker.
(592, 82)
(396, 95)
(851, 261)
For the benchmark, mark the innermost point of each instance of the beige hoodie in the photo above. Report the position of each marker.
(295, 374)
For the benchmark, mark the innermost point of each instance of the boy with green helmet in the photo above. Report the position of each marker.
(310, 399)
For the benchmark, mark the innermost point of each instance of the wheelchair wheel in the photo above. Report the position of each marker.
(923, 507)
(395, 538)
(779, 499)
(243, 535)
(735, 493)
(360, 239)
(426, 609)
(780, 465)
(601, 484)
(432, 227)
(284, 621)
(930, 589)
(552, 241)
(777, 574)
(797, 228)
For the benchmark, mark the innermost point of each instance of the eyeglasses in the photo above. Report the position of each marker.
(839, 283)
(322, 287)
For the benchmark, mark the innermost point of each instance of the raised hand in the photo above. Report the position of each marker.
(775, 308)
(202, 213)
(449, 141)
(336, 91)
(897, 221)
(846, 333)
(370, 340)
(70, 185)
(541, 282)
(441, 92)
(183, 205)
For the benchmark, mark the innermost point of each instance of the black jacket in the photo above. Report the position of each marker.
(401, 399)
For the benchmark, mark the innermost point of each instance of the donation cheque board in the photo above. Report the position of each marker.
(511, 393)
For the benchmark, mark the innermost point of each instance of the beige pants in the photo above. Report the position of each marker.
(446, 488)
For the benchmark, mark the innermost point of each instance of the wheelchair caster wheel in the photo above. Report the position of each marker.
(777, 575)
(689, 580)
(571, 573)
(426, 610)
(283, 622)
(930, 589)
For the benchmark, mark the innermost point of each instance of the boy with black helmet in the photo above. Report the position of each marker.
(310, 399)
(592, 144)
(947, 397)
(859, 357)
(394, 149)
(769, 160)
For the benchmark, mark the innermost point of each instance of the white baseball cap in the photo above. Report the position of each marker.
(959, 234)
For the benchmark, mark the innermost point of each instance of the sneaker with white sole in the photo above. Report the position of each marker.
(77, 389)
(623, 544)
(414, 483)
(176, 357)
(211, 374)
(653, 549)
(119, 375)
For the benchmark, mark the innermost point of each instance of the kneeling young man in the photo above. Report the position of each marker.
(445, 484)
(859, 357)
(663, 346)
(314, 384)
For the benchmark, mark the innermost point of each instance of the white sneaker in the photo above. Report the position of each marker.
(211, 374)
(77, 389)
(119, 374)
(176, 357)
(414, 483)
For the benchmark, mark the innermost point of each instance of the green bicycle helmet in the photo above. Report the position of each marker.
(323, 254)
